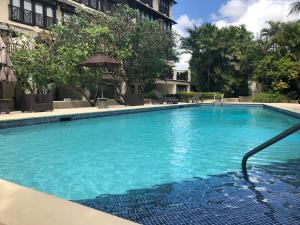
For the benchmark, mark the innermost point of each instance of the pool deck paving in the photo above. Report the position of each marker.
(294, 108)
(24, 206)
(20, 205)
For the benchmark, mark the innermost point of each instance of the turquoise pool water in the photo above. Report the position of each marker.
(111, 155)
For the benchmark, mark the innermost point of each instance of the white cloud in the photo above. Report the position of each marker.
(184, 22)
(254, 13)
(183, 63)
(214, 16)
(234, 8)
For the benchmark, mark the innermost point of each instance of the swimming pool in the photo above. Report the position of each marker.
(84, 159)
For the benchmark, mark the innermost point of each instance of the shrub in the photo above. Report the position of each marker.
(270, 97)
(184, 96)
(150, 95)
(210, 95)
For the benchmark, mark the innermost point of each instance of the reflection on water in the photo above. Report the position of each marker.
(272, 197)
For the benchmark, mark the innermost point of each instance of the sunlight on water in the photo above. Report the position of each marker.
(111, 155)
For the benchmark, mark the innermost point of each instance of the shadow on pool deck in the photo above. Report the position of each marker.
(272, 198)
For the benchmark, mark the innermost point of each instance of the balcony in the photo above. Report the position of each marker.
(29, 17)
(164, 7)
(148, 2)
(170, 76)
(15, 13)
(182, 76)
(39, 20)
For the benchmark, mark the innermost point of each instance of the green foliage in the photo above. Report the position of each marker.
(141, 46)
(266, 97)
(184, 96)
(295, 7)
(220, 58)
(211, 95)
(187, 96)
(277, 66)
(225, 59)
(150, 95)
(33, 66)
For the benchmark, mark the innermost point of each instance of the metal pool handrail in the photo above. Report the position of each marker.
(261, 147)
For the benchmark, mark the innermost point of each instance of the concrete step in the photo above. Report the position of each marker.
(112, 102)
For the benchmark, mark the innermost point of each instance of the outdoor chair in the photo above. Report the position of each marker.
(161, 99)
(5, 105)
(37, 103)
(196, 98)
(134, 100)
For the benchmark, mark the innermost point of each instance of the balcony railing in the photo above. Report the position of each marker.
(39, 20)
(49, 21)
(170, 77)
(164, 7)
(29, 17)
(148, 2)
(15, 13)
(182, 77)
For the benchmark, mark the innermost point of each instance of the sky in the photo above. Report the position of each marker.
(253, 13)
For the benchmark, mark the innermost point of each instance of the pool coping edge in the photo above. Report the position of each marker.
(19, 122)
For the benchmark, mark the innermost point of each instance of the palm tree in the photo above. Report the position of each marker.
(295, 7)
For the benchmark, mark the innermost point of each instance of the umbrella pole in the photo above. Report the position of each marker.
(102, 88)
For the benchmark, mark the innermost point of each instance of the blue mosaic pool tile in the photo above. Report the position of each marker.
(223, 199)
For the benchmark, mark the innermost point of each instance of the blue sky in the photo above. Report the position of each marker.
(197, 8)
(254, 14)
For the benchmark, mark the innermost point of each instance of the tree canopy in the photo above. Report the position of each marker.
(220, 58)
(142, 47)
(226, 59)
(277, 65)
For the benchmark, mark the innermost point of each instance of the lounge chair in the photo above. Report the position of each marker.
(197, 97)
(161, 99)
(134, 100)
(5, 105)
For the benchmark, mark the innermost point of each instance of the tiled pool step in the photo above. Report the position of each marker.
(225, 199)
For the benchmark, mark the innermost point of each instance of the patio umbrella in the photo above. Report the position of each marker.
(6, 72)
(101, 62)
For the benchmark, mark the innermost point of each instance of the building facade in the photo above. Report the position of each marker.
(30, 16)
(33, 16)
(178, 81)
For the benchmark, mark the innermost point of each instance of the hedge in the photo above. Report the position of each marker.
(270, 97)
(186, 96)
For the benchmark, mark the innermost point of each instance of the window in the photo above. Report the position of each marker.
(164, 7)
(66, 16)
(50, 17)
(16, 10)
(105, 5)
(32, 12)
(181, 88)
(183, 76)
(148, 2)
(39, 15)
(94, 4)
(27, 11)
